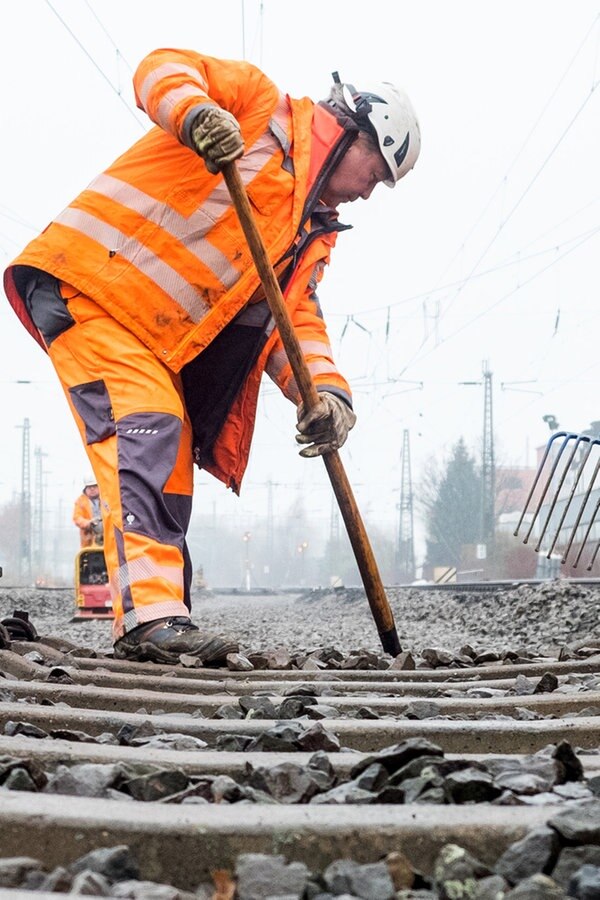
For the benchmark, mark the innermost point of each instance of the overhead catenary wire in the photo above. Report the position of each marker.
(557, 384)
(380, 339)
(120, 57)
(505, 264)
(7, 237)
(510, 293)
(512, 211)
(418, 355)
(109, 36)
(3, 249)
(509, 261)
(97, 66)
(370, 381)
(261, 33)
(516, 205)
(258, 35)
(532, 130)
(16, 218)
(243, 16)
(596, 57)
(374, 382)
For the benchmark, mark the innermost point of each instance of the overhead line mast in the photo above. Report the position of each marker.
(24, 555)
(406, 545)
(488, 467)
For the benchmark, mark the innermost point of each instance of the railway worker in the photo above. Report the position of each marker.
(86, 512)
(144, 294)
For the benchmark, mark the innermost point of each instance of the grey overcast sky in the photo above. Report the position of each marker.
(488, 250)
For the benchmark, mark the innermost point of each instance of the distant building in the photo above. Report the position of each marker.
(512, 489)
(513, 485)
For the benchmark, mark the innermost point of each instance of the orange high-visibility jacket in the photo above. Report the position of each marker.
(82, 511)
(82, 516)
(156, 242)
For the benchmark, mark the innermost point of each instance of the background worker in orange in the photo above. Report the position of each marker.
(86, 512)
(144, 293)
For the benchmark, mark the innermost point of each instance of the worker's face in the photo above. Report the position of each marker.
(92, 491)
(359, 171)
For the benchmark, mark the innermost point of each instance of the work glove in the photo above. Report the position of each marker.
(325, 427)
(217, 137)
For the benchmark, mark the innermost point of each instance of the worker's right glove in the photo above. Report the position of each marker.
(325, 427)
(217, 137)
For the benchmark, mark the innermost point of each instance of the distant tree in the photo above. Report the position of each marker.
(452, 501)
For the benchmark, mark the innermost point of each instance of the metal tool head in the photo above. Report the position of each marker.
(563, 503)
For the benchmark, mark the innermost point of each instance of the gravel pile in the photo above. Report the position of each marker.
(541, 619)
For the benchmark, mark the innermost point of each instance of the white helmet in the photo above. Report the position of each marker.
(390, 114)
(89, 481)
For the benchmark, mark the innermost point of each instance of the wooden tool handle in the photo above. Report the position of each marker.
(378, 602)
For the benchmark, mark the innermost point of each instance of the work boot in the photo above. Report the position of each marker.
(165, 640)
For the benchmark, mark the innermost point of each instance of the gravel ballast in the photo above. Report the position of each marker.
(538, 618)
(327, 629)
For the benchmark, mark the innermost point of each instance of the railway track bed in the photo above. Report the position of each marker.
(481, 781)
(99, 753)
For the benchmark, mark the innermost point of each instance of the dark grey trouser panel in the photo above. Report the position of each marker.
(147, 448)
(92, 402)
(46, 306)
(181, 510)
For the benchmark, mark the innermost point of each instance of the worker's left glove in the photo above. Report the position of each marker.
(217, 137)
(325, 427)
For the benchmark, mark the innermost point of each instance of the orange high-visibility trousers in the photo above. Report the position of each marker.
(130, 413)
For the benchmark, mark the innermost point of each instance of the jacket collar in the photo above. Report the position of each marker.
(329, 142)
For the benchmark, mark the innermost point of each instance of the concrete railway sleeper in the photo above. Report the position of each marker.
(462, 706)
(371, 784)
